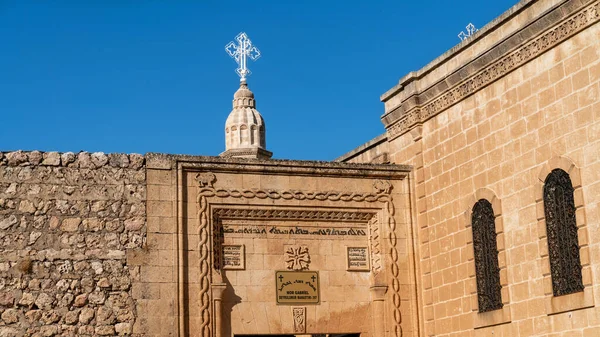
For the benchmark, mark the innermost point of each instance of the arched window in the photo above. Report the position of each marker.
(561, 227)
(486, 257)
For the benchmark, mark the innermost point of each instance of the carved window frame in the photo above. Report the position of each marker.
(501, 315)
(578, 300)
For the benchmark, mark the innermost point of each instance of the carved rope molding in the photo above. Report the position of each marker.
(207, 190)
(551, 38)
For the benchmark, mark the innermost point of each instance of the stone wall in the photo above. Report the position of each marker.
(499, 144)
(66, 223)
(493, 130)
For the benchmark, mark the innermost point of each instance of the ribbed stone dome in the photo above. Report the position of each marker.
(245, 128)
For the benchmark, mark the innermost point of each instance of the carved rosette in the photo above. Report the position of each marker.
(297, 258)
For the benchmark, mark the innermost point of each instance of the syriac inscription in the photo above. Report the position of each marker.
(234, 257)
(297, 287)
(357, 258)
(271, 231)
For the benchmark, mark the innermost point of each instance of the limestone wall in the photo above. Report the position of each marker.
(493, 130)
(66, 222)
(499, 144)
(375, 151)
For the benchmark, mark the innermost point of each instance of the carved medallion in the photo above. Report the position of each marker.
(297, 258)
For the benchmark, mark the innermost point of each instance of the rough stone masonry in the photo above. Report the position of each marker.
(67, 220)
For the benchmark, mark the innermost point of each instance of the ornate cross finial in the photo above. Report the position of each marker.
(470, 31)
(240, 52)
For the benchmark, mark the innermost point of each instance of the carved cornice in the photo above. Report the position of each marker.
(257, 152)
(292, 214)
(499, 67)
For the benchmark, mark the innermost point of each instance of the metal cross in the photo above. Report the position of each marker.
(240, 52)
(470, 31)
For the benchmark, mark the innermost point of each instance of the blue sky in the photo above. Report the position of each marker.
(153, 76)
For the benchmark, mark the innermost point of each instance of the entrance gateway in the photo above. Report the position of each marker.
(291, 253)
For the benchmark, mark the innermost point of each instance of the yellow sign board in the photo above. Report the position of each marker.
(297, 287)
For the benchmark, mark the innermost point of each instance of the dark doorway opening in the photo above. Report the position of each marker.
(313, 335)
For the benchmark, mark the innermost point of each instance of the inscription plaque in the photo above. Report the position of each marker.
(234, 257)
(357, 258)
(297, 287)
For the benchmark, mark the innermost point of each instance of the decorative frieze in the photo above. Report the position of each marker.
(292, 214)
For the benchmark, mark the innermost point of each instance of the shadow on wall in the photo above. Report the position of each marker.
(317, 335)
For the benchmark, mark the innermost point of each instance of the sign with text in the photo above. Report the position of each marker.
(357, 258)
(233, 257)
(297, 287)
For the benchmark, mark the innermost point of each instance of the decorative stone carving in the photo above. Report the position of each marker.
(375, 245)
(299, 316)
(297, 258)
(292, 214)
(206, 179)
(382, 186)
(382, 195)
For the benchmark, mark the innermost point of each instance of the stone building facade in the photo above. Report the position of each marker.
(490, 120)
(475, 214)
